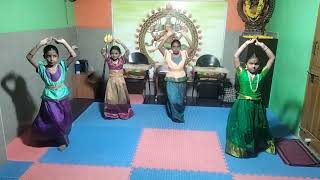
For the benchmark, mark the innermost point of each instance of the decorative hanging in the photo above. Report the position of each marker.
(255, 14)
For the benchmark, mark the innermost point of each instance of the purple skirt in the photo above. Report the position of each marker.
(53, 122)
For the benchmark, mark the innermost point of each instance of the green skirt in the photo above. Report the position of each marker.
(248, 130)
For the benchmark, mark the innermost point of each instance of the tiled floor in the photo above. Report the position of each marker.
(149, 147)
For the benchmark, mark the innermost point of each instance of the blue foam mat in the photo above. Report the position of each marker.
(108, 146)
(157, 174)
(13, 169)
(96, 141)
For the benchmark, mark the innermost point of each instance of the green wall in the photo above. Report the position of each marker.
(295, 23)
(28, 15)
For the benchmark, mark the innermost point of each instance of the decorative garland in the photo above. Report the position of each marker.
(248, 9)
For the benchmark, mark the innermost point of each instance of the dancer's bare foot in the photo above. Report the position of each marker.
(62, 147)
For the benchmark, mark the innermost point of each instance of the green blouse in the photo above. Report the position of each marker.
(54, 90)
(250, 89)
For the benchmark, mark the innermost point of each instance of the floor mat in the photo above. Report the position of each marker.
(294, 153)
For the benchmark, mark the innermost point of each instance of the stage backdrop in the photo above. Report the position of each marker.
(208, 18)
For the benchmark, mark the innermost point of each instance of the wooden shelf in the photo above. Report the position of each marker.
(81, 87)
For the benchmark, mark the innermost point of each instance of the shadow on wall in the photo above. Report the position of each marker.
(290, 115)
(15, 86)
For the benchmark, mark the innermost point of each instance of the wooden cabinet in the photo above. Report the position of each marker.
(81, 87)
(310, 123)
(310, 120)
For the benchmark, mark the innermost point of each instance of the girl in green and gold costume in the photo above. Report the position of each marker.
(247, 128)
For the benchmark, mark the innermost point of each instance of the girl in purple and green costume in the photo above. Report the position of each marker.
(53, 122)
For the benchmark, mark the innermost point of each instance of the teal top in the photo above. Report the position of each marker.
(250, 89)
(54, 90)
(176, 59)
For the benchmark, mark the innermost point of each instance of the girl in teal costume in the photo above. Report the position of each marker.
(176, 77)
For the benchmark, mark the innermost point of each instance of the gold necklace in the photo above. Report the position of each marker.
(115, 62)
(251, 79)
(53, 69)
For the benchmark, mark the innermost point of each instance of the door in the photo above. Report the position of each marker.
(310, 122)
